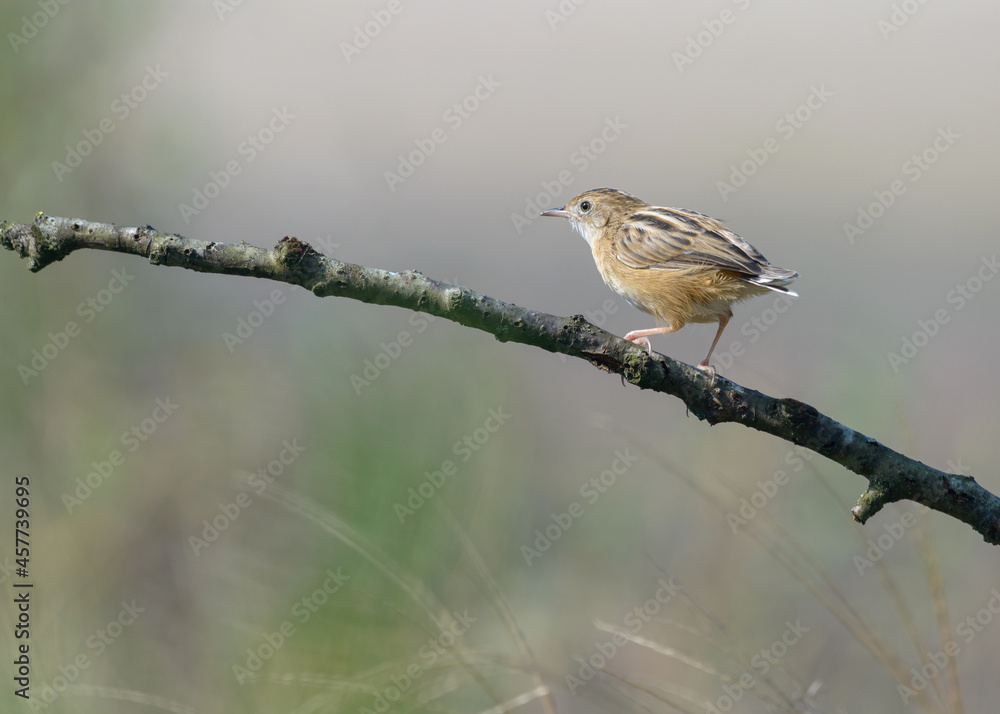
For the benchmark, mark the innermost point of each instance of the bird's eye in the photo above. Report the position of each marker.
(586, 206)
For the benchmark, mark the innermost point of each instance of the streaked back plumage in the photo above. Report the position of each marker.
(679, 266)
(660, 238)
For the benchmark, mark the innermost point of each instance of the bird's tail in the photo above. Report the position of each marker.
(775, 279)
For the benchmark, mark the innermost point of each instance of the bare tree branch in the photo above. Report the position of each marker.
(891, 475)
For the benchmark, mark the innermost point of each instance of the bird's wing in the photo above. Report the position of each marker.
(674, 239)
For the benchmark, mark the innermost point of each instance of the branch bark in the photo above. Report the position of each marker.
(891, 476)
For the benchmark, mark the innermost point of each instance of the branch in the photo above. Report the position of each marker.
(891, 475)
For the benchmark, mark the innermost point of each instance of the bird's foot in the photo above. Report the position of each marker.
(640, 340)
(708, 369)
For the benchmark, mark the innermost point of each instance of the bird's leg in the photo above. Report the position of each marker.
(704, 365)
(640, 336)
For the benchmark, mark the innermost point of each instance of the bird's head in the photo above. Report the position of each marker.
(592, 211)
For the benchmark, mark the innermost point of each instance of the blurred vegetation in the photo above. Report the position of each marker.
(333, 507)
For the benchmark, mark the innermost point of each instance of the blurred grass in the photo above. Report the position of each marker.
(163, 338)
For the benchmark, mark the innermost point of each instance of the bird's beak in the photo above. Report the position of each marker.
(558, 213)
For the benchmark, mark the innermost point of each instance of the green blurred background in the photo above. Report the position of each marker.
(663, 100)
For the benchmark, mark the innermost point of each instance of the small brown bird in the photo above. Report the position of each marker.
(677, 265)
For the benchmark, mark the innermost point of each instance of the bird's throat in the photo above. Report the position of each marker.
(589, 232)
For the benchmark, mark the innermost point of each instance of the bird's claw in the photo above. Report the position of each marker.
(641, 341)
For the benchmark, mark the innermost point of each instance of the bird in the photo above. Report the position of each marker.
(679, 266)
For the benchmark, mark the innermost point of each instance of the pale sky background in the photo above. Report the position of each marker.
(664, 100)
